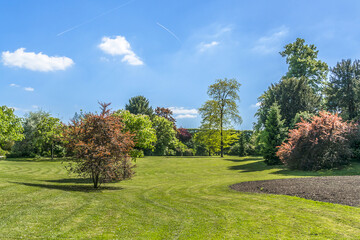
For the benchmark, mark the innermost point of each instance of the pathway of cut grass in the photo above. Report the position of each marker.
(169, 198)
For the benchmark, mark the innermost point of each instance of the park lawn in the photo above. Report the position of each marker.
(169, 198)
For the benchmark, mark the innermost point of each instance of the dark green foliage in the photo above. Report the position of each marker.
(293, 95)
(301, 116)
(273, 135)
(139, 105)
(343, 91)
(302, 60)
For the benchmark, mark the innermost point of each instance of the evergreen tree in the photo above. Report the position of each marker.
(343, 91)
(139, 105)
(273, 135)
(293, 95)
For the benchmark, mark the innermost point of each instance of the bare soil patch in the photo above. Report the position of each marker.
(338, 189)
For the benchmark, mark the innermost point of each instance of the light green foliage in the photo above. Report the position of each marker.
(343, 90)
(212, 139)
(10, 129)
(41, 132)
(139, 105)
(222, 110)
(141, 126)
(165, 134)
(293, 95)
(273, 135)
(303, 62)
(169, 198)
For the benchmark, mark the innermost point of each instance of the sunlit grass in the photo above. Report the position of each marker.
(169, 198)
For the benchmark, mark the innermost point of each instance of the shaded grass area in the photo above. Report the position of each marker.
(169, 198)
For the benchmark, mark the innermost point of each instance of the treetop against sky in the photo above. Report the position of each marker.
(63, 56)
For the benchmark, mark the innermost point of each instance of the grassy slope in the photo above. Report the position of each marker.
(169, 198)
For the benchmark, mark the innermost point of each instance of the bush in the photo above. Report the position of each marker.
(322, 143)
(188, 152)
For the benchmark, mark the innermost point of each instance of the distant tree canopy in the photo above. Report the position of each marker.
(166, 113)
(303, 62)
(165, 134)
(293, 95)
(11, 129)
(139, 105)
(222, 110)
(139, 125)
(343, 90)
(101, 147)
(41, 132)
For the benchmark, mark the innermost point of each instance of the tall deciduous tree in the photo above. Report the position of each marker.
(293, 95)
(10, 129)
(343, 91)
(273, 135)
(222, 110)
(101, 147)
(139, 105)
(303, 62)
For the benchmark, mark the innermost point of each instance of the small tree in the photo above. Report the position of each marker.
(319, 144)
(101, 147)
(165, 134)
(273, 135)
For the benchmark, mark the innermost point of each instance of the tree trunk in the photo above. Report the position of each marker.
(221, 134)
(52, 151)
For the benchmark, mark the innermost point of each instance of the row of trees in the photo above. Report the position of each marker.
(306, 105)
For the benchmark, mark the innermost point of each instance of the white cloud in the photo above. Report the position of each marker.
(271, 43)
(185, 116)
(14, 85)
(29, 89)
(35, 106)
(35, 61)
(256, 105)
(120, 46)
(181, 112)
(205, 46)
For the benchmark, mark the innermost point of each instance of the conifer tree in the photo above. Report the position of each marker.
(273, 135)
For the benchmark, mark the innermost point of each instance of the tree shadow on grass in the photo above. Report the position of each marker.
(244, 159)
(252, 166)
(71, 188)
(37, 160)
(70, 180)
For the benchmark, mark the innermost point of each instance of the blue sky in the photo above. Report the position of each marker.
(63, 56)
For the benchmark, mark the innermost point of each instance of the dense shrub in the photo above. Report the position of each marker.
(322, 143)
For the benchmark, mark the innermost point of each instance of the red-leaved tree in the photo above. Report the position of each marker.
(100, 146)
(183, 135)
(322, 143)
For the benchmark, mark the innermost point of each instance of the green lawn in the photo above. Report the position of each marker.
(169, 198)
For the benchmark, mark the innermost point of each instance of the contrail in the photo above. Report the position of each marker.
(173, 34)
(94, 18)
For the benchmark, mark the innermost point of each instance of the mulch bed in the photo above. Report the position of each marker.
(338, 189)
